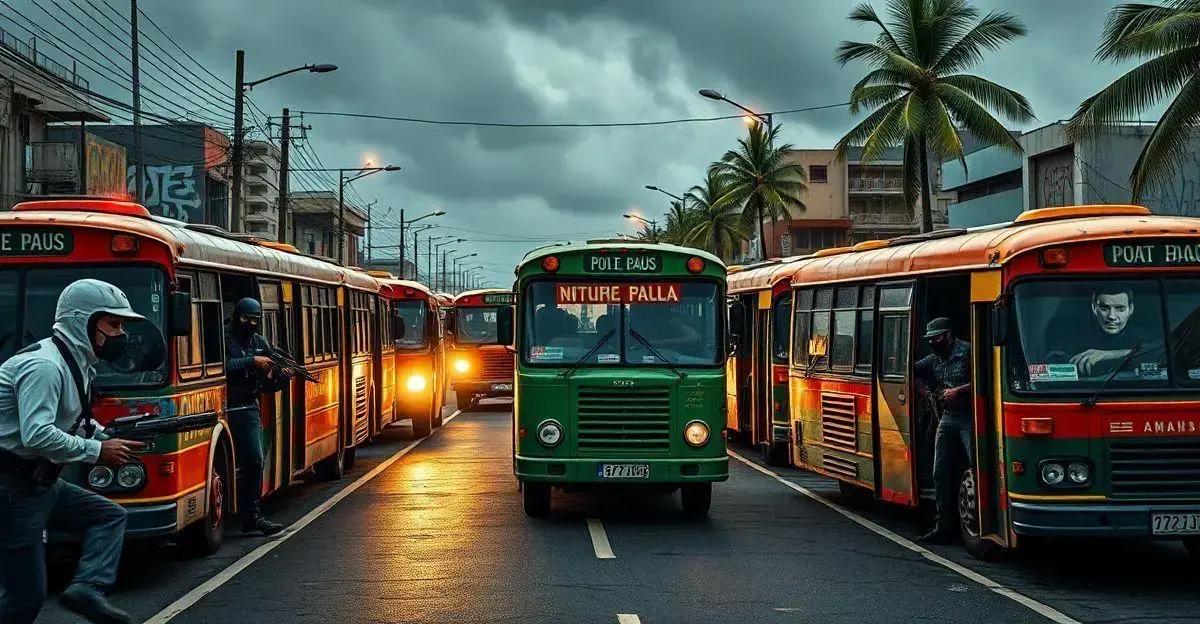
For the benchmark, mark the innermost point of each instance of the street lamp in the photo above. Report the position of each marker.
(655, 188)
(651, 222)
(416, 250)
(403, 225)
(442, 272)
(240, 89)
(466, 272)
(454, 267)
(764, 118)
(342, 182)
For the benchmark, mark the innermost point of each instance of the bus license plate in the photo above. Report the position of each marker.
(505, 387)
(623, 471)
(1175, 524)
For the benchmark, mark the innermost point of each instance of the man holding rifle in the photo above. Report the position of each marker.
(250, 370)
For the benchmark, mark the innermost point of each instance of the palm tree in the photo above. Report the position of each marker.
(1167, 38)
(919, 92)
(679, 222)
(762, 182)
(717, 223)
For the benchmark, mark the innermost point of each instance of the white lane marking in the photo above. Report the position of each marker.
(1038, 607)
(628, 618)
(600, 540)
(222, 577)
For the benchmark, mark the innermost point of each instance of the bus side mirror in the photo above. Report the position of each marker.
(1000, 321)
(737, 318)
(180, 314)
(451, 322)
(504, 327)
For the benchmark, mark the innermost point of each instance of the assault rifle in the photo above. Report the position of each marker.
(144, 427)
(288, 365)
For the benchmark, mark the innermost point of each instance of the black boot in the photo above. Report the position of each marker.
(89, 602)
(259, 524)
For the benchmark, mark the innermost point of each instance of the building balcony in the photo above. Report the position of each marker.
(882, 217)
(876, 185)
(255, 204)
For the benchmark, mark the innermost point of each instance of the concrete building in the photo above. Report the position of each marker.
(989, 191)
(62, 165)
(826, 222)
(315, 224)
(260, 190)
(36, 90)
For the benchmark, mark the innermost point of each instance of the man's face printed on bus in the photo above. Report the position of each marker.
(1112, 311)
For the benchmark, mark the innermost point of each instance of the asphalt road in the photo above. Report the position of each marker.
(439, 536)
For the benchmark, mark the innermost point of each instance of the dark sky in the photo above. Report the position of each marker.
(573, 61)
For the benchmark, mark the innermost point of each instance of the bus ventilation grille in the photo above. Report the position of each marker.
(624, 420)
(839, 466)
(838, 428)
(1153, 469)
(495, 364)
(362, 424)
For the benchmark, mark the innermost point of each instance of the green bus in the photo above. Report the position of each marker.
(620, 376)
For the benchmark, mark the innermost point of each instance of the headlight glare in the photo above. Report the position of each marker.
(1052, 473)
(696, 433)
(550, 433)
(461, 365)
(100, 477)
(131, 476)
(415, 383)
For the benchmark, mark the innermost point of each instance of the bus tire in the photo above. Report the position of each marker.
(463, 399)
(536, 499)
(207, 536)
(350, 457)
(968, 520)
(854, 495)
(422, 425)
(331, 468)
(775, 453)
(696, 498)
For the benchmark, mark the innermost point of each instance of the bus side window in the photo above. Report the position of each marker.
(802, 324)
(894, 336)
(781, 318)
(819, 342)
(865, 337)
(188, 348)
(212, 324)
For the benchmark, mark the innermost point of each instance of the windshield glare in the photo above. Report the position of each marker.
(1074, 335)
(561, 328)
(413, 315)
(477, 325)
(41, 287)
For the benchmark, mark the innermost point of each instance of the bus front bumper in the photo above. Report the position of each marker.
(484, 388)
(575, 470)
(145, 521)
(1091, 520)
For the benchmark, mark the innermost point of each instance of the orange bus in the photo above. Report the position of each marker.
(1083, 324)
(757, 406)
(480, 368)
(186, 279)
(419, 354)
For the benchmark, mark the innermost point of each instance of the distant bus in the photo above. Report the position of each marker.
(621, 371)
(419, 354)
(479, 366)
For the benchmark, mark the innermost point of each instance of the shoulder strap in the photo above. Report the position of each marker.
(85, 403)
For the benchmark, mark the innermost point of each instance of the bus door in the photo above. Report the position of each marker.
(989, 433)
(275, 407)
(894, 401)
(745, 367)
(760, 428)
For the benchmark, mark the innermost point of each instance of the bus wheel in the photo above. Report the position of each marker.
(206, 537)
(331, 468)
(696, 497)
(422, 425)
(968, 520)
(775, 454)
(536, 498)
(854, 495)
(463, 399)
(350, 457)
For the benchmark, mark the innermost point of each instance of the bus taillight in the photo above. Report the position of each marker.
(123, 245)
(550, 263)
(1054, 257)
(695, 264)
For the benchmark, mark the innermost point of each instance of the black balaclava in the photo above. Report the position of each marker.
(246, 317)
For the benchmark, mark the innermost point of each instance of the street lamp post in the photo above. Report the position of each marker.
(416, 249)
(651, 222)
(342, 182)
(763, 118)
(404, 224)
(442, 273)
(236, 158)
(454, 274)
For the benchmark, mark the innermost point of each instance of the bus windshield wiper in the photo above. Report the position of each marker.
(646, 343)
(1091, 401)
(580, 361)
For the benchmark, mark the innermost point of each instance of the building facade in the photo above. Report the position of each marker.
(989, 191)
(260, 190)
(315, 225)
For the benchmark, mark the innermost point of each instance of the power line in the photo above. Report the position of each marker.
(620, 124)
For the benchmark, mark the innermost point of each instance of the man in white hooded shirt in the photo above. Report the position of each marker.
(40, 406)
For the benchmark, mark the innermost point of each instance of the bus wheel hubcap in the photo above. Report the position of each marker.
(967, 509)
(216, 500)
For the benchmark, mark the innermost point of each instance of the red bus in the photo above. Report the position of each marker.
(418, 358)
(480, 368)
(186, 279)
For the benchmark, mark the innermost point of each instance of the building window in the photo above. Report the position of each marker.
(808, 241)
(310, 243)
(818, 173)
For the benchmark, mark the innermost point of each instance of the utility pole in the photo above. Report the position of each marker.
(369, 233)
(428, 259)
(403, 271)
(416, 248)
(285, 138)
(442, 273)
(239, 97)
(341, 217)
(139, 170)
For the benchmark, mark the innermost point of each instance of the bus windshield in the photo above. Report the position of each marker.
(477, 325)
(633, 323)
(1075, 334)
(28, 298)
(413, 313)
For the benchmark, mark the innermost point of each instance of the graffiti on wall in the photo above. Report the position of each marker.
(1180, 195)
(171, 191)
(1054, 179)
(105, 168)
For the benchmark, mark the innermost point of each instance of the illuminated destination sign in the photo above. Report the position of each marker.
(616, 293)
(1165, 253)
(622, 263)
(500, 299)
(36, 242)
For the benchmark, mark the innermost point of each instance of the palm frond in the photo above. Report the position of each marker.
(873, 96)
(1168, 143)
(1129, 32)
(1135, 92)
(991, 33)
(972, 116)
(859, 133)
(992, 96)
(866, 13)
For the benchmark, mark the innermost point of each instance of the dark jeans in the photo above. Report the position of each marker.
(25, 512)
(245, 423)
(951, 455)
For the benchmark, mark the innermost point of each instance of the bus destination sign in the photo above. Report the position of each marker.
(622, 263)
(500, 299)
(1155, 253)
(36, 242)
(613, 294)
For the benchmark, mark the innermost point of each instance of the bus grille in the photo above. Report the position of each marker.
(624, 419)
(839, 428)
(1155, 469)
(495, 364)
(362, 424)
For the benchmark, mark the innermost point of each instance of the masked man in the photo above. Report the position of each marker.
(249, 373)
(45, 412)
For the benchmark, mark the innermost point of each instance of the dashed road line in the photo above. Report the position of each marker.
(222, 577)
(600, 540)
(1038, 607)
(628, 618)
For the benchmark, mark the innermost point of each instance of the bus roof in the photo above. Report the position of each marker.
(189, 245)
(483, 291)
(541, 252)
(395, 288)
(762, 276)
(987, 247)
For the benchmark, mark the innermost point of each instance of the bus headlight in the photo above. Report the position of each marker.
(131, 476)
(1052, 473)
(415, 383)
(462, 365)
(550, 433)
(100, 477)
(1079, 472)
(695, 433)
